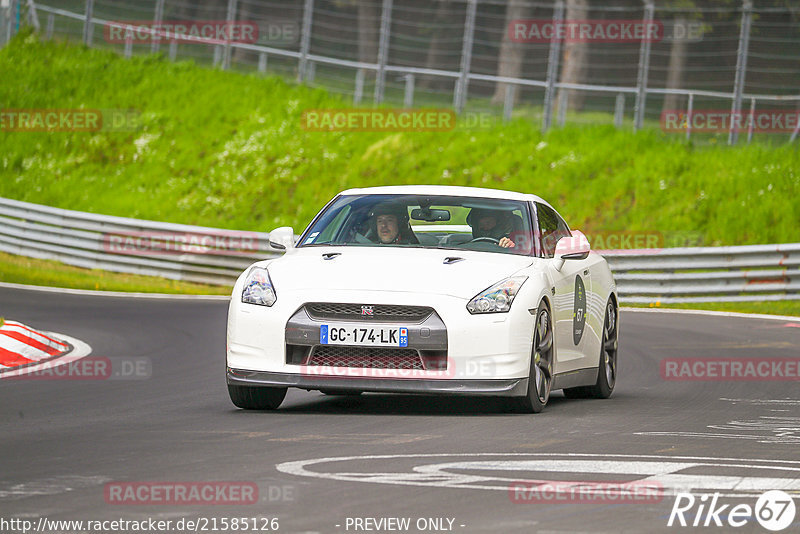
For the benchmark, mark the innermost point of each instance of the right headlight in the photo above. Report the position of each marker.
(497, 298)
(258, 288)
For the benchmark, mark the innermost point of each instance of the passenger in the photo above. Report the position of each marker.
(494, 224)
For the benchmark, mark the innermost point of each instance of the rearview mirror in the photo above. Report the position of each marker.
(282, 238)
(429, 215)
(571, 248)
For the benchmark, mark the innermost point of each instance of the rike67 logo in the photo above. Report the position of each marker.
(774, 510)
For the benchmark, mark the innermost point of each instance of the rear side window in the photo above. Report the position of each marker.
(551, 228)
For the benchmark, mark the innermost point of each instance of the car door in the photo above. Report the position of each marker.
(571, 301)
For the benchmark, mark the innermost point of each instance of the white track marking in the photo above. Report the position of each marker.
(49, 486)
(664, 472)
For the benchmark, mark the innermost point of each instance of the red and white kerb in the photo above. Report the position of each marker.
(21, 345)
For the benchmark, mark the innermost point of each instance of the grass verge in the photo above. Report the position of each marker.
(22, 270)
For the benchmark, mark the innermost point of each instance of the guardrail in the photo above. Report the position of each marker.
(173, 251)
(214, 256)
(708, 274)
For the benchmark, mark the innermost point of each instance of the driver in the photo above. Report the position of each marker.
(390, 223)
(494, 224)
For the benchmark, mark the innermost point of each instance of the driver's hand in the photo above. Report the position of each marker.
(506, 243)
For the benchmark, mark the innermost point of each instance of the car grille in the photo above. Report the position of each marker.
(368, 357)
(380, 312)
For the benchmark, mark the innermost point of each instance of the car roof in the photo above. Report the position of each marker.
(448, 190)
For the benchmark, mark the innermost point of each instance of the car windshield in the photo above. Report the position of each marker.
(424, 221)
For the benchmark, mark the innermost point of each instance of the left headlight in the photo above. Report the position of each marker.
(258, 288)
(497, 298)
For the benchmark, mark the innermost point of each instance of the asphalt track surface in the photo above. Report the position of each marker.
(61, 441)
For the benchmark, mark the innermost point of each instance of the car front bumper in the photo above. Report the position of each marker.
(513, 387)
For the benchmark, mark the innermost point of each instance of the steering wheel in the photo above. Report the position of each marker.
(489, 239)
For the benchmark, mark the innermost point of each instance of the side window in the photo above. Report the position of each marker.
(551, 229)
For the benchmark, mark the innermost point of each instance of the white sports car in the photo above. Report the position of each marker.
(426, 290)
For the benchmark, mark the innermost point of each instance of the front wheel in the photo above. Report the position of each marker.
(256, 398)
(607, 368)
(540, 377)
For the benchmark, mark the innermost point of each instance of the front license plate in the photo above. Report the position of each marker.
(369, 336)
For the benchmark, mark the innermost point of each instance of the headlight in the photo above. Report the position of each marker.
(258, 288)
(498, 298)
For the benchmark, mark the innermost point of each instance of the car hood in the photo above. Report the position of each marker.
(393, 269)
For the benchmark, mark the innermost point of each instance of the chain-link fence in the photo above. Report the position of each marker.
(694, 67)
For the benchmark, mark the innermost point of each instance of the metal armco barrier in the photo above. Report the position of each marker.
(106, 242)
(698, 274)
(708, 274)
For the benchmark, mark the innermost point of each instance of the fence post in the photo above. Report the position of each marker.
(644, 68)
(619, 110)
(262, 62)
(87, 23)
(311, 71)
(51, 22)
(217, 55)
(741, 68)
(230, 20)
(383, 50)
(358, 92)
(408, 96)
(562, 108)
(552, 69)
(33, 17)
(508, 101)
(796, 130)
(466, 57)
(5, 26)
(752, 120)
(158, 18)
(689, 110)
(305, 39)
(173, 50)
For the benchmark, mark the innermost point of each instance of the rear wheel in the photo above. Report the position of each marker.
(607, 368)
(256, 398)
(540, 377)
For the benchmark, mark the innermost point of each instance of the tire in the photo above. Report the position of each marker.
(540, 375)
(256, 398)
(340, 392)
(607, 367)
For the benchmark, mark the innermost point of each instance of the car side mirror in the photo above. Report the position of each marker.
(571, 248)
(282, 238)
